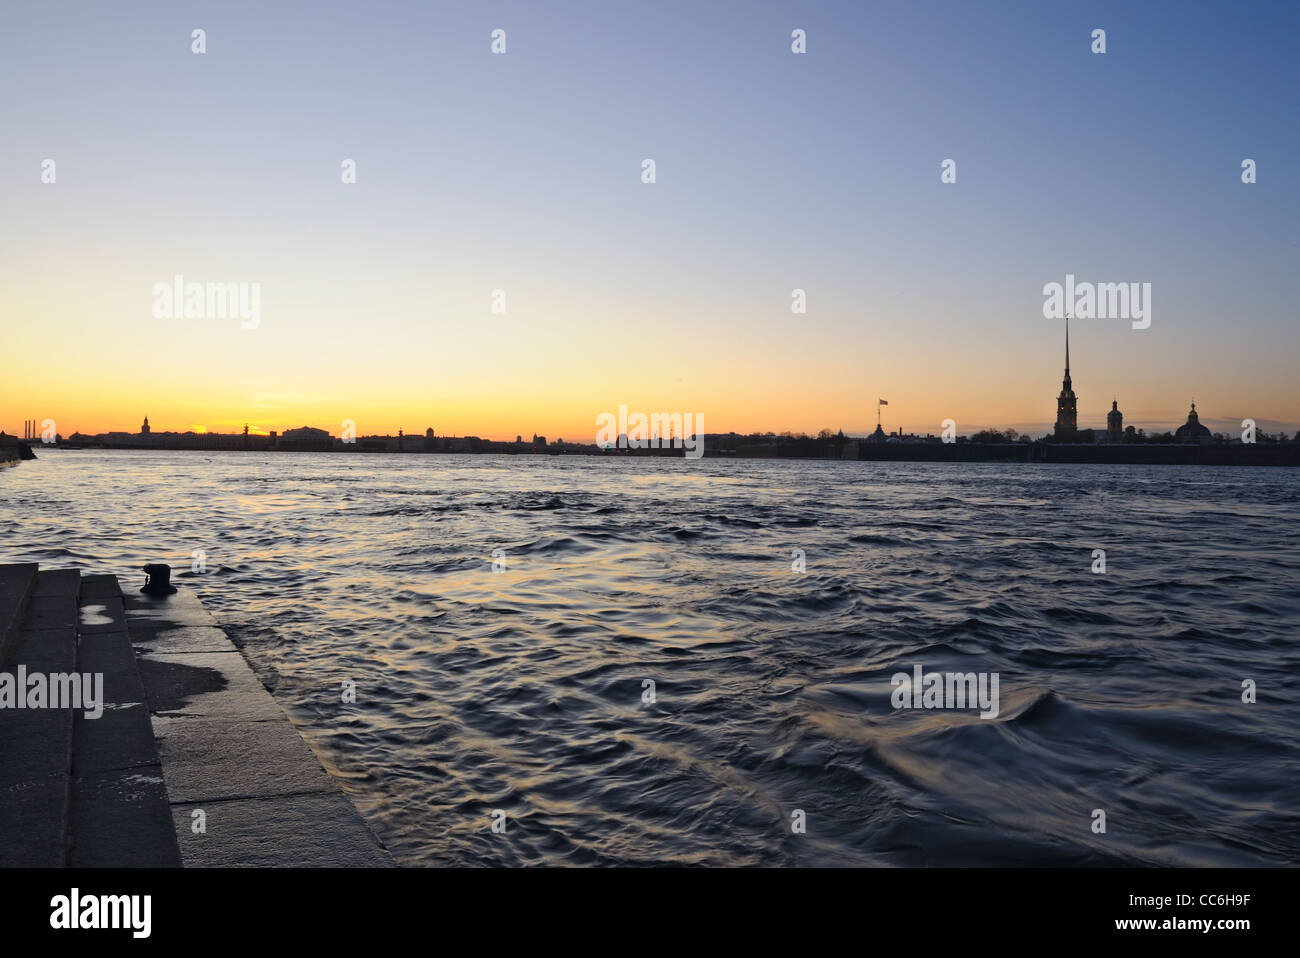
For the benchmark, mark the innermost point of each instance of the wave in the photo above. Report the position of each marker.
(648, 675)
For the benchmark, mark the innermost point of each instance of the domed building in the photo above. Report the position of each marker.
(1192, 430)
(307, 439)
(1114, 422)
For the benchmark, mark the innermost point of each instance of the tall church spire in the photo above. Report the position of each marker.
(1067, 347)
(1067, 414)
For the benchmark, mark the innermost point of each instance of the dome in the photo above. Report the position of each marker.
(1192, 430)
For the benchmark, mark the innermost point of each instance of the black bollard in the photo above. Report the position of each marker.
(158, 579)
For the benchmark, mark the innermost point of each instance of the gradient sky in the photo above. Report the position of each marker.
(522, 172)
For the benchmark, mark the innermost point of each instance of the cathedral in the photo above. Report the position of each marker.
(1192, 430)
(1067, 405)
(1067, 415)
(1067, 408)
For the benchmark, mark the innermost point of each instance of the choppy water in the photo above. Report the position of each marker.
(522, 690)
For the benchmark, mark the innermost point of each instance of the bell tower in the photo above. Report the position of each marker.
(1067, 404)
(1114, 422)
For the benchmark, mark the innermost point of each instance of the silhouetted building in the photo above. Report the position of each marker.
(1192, 430)
(1067, 405)
(144, 429)
(1114, 422)
(306, 439)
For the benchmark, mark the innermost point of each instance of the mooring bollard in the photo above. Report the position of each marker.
(158, 579)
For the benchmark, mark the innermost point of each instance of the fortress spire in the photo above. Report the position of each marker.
(1067, 407)
(1067, 349)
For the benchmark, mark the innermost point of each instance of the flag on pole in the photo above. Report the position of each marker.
(883, 402)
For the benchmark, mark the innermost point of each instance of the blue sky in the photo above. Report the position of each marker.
(775, 171)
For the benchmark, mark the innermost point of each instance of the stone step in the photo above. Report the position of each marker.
(16, 585)
(36, 743)
(180, 731)
(231, 758)
(121, 816)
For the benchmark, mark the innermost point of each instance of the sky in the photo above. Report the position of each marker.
(522, 172)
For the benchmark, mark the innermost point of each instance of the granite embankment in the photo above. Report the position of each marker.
(13, 452)
(167, 750)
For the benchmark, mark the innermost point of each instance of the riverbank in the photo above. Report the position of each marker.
(13, 452)
(166, 751)
(1117, 454)
(1147, 454)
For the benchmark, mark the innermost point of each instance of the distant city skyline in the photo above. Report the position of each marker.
(1229, 426)
(1065, 427)
(776, 172)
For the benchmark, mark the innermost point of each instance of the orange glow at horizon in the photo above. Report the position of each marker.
(728, 404)
(552, 370)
